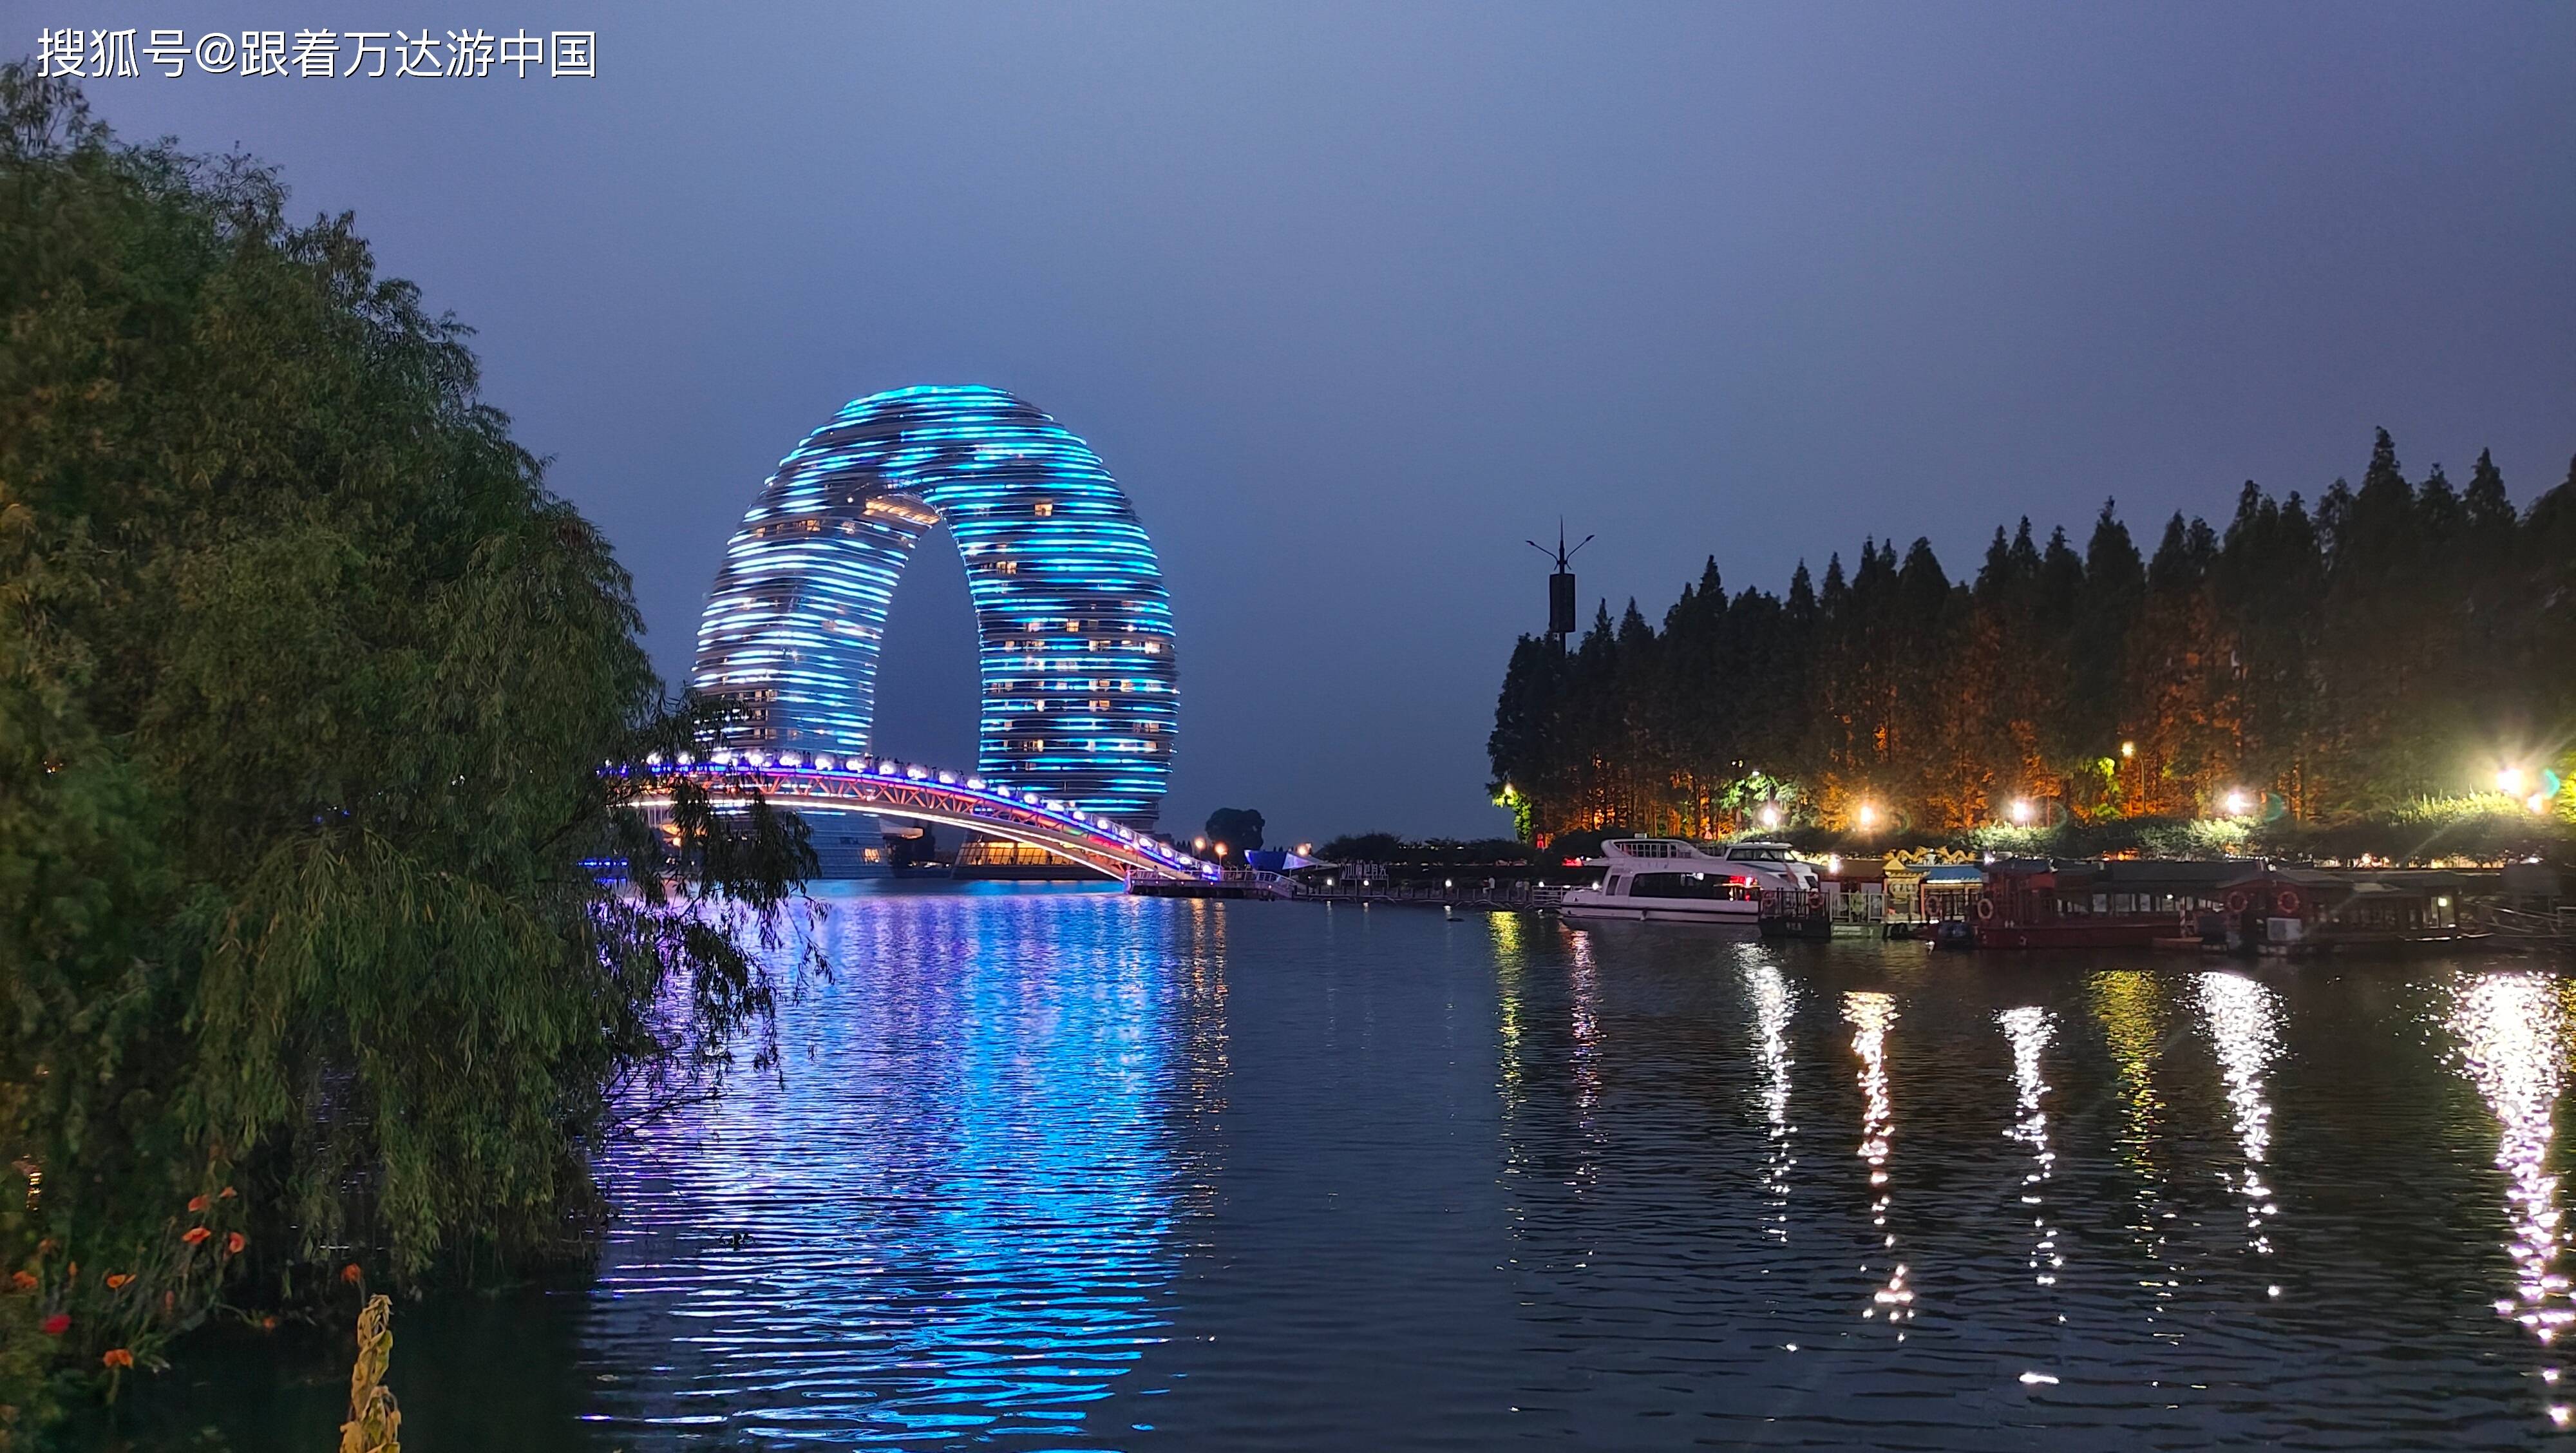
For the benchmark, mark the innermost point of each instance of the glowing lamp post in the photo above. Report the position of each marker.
(2517, 782)
(2021, 812)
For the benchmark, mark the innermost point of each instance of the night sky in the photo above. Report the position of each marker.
(1353, 299)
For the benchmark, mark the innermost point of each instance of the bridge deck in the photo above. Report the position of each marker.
(888, 788)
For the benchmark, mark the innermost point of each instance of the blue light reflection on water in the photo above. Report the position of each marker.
(954, 1220)
(1058, 1170)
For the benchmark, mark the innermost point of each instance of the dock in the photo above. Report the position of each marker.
(1257, 883)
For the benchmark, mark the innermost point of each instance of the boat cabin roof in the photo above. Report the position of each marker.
(1651, 848)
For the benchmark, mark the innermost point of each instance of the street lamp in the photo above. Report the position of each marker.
(2021, 812)
(1770, 814)
(1868, 815)
(2238, 804)
(2128, 750)
(2509, 781)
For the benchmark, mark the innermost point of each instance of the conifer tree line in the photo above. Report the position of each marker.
(2322, 663)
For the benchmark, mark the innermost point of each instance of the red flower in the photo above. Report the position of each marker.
(117, 1279)
(196, 1203)
(225, 1195)
(117, 1357)
(24, 1281)
(351, 1274)
(268, 1323)
(196, 1236)
(235, 1242)
(55, 1325)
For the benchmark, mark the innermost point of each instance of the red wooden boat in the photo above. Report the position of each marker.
(2049, 903)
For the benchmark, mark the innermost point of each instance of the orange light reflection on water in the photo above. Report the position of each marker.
(2244, 1025)
(2512, 1031)
(1870, 1015)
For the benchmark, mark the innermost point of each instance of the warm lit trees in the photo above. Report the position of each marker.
(2397, 644)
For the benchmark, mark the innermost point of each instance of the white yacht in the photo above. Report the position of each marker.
(1667, 880)
(1773, 866)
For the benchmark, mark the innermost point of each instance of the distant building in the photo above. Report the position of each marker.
(1080, 672)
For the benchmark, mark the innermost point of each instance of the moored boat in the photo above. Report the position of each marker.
(1668, 880)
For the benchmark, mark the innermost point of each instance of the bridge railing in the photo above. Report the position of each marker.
(896, 788)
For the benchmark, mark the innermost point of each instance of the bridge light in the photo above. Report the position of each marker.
(686, 759)
(652, 759)
(974, 784)
(947, 779)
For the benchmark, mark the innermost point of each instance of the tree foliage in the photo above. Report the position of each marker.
(1239, 828)
(306, 682)
(2395, 643)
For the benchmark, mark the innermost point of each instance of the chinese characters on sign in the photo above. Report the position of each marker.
(317, 54)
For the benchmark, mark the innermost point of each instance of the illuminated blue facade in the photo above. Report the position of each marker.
(1080, 678)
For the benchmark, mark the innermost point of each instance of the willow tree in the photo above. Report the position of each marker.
(306, 684)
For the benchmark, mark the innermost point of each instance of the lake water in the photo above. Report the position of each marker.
(1061, 1169)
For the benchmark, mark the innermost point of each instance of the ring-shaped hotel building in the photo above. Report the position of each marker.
(1080, 678)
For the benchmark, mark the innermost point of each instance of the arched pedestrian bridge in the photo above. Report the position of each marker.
(887, 788)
